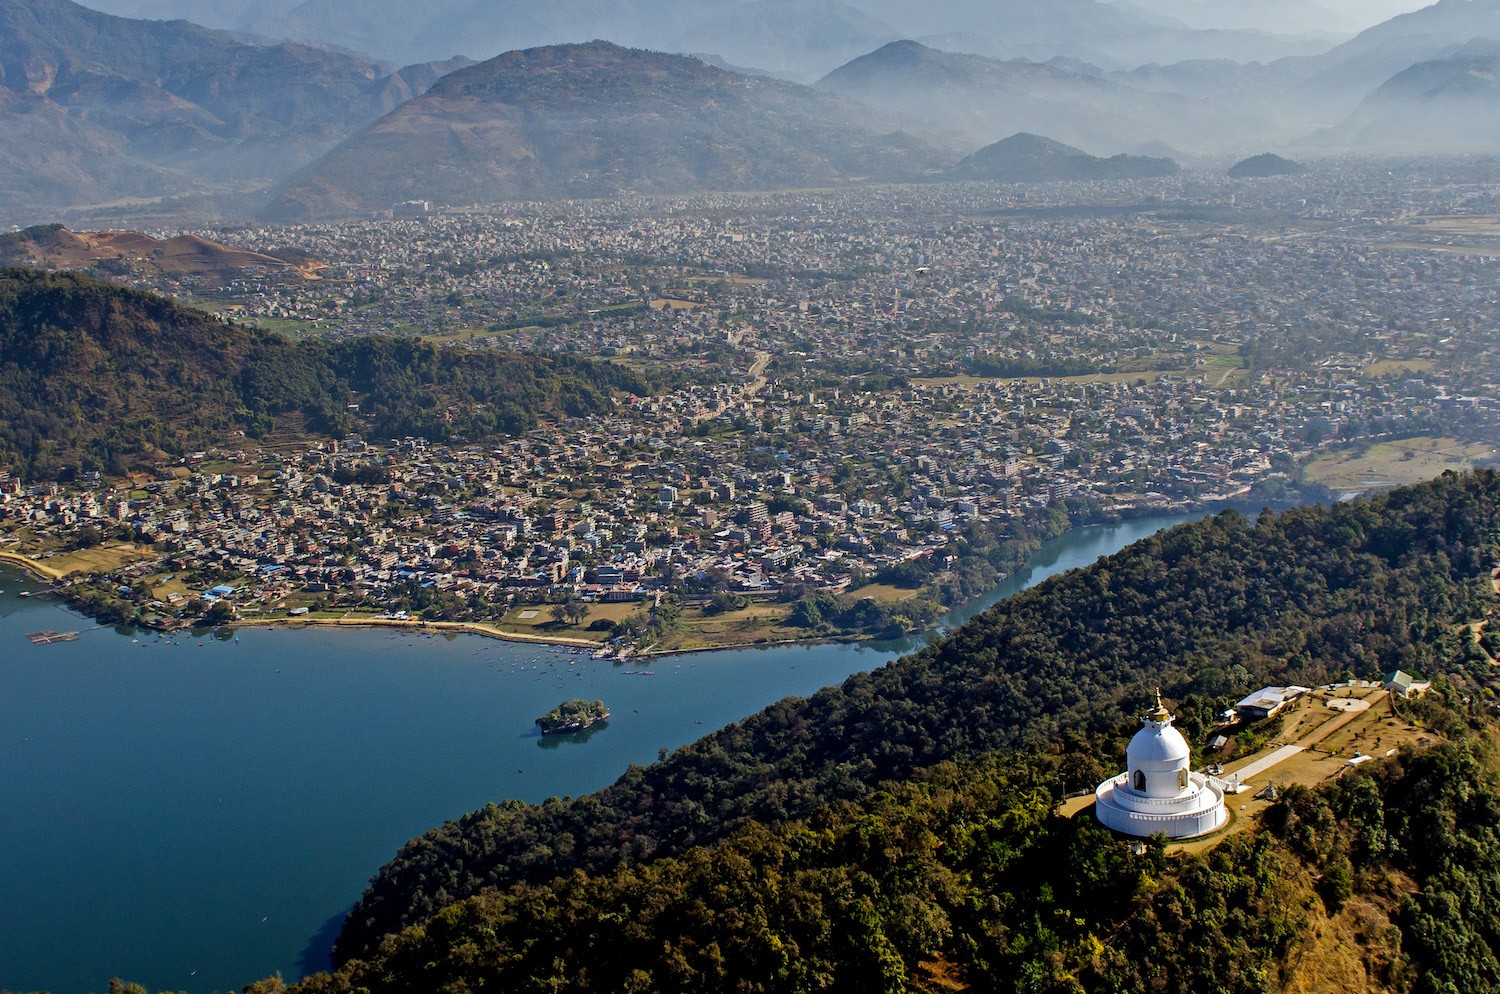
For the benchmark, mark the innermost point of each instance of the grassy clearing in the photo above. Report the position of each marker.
(165, 585)
(1398, 366)
(1397, 463)
(1216, 366)
(541, 623)
(884, 593)
(99, 559)
(759, 623)
(461, 336)
(1086, 378)
(290, 327)
(736, 280)
(1485, 251)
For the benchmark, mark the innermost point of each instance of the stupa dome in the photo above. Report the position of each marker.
(1158, 744)
(1159, 793)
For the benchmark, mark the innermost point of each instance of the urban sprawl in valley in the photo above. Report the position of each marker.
(881, 400)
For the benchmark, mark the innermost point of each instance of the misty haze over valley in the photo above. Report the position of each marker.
(323, 106)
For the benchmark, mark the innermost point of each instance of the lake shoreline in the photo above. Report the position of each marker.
(913, 641)
(31, 566)
(557, 641)
(953, 614)
(415, 625)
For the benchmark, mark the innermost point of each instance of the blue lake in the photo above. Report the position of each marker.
(194, 814)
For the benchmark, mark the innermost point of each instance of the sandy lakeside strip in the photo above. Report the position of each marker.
(855, 640)
(31, 566)
(489, 631)
(430, 627)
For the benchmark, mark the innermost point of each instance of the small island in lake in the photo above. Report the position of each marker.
(572, 716)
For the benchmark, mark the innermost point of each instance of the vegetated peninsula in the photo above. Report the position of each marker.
(1025, 158)
(596, 120)
(94, 377)
(572, 716)
(916, 801)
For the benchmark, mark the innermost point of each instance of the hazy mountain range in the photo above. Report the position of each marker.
(1291, 17)
(804, 38)
(981, 99)
(1451, 102)
(596, 120)
(1350, 71)
(105, 114)
(95, 108)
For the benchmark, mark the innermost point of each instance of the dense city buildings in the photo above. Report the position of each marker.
(878, 399)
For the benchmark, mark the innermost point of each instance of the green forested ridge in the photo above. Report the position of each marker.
(964, 878)
(1207, 611)
(92, 375)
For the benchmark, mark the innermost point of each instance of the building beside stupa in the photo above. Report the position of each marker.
(1158, 793)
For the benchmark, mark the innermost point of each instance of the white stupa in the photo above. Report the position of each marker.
(1158, 794)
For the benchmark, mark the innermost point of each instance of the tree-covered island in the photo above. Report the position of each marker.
(572, 716)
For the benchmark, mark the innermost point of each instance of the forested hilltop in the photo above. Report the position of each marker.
(1207, 611)
(94, 377)
(963, 878)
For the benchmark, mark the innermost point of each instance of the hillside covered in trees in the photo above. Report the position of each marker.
(963, 878)
(93, 377)
(793, 797)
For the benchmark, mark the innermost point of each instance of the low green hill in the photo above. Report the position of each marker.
(93, 376)
(1264, 165)
(1025, 158)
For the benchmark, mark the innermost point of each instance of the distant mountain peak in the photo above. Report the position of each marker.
(595, 119)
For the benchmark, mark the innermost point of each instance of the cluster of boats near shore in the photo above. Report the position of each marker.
(608, 652)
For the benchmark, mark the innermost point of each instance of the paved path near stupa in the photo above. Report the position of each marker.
(1266, 762)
